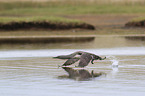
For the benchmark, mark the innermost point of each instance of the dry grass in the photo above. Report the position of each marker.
(98, 1)
(65, 8)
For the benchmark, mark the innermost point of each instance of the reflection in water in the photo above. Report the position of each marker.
(115, 65)
(38, 76)
(103, 41)
(135, 40)
(114, 71)
(80, 75)
(141, 38)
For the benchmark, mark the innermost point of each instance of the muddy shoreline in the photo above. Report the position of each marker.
(44, 39)
(104, 24)
(12, 26)
(140, 24)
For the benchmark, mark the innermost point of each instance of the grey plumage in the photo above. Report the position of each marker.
(69, 56)
(84, 58)
(70, 61)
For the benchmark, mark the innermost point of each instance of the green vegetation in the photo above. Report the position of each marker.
(137, 22)
(36, 22)
(38, 19)
(139, 19)
(55, 11)
(68, 7)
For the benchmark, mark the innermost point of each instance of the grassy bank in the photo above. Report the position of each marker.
(37, 19)
(136, 22)
(14, 10)
(69, 7)
(139, 19)
(36, 22)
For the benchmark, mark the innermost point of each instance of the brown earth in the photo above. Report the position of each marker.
(44, 25)
(110, 24)
(106, 20)
(104, 25)
(136, 24)
(91, 22)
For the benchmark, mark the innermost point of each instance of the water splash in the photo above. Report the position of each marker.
(114, 61)
(114, 66)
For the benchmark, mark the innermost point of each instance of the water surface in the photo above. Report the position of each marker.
(33, 71)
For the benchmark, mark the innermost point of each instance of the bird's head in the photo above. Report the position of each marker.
(97, 58)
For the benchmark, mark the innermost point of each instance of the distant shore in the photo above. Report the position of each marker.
(20, 22)
(12, 26)
(44, 39)
(136, 23)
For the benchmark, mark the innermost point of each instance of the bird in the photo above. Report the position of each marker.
(80, 74)
(84, 57)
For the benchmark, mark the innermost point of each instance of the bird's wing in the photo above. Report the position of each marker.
(76, 53)
(72, 55)
(84, 60)
(70, 61)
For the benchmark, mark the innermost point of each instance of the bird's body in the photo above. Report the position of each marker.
(84, 58)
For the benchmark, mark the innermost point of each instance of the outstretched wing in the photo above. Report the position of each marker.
(84, 60)
(69, 56)
(70, 61)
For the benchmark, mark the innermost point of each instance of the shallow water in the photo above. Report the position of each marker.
(33, 72)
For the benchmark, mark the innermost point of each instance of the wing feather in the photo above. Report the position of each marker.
(84, 60)
(70, 61)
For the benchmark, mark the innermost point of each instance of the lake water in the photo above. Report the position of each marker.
(30, 70)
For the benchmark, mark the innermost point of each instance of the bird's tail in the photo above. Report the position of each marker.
(59, 66)
(62, 66)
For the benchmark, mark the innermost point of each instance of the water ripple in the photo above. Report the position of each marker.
(55, 52)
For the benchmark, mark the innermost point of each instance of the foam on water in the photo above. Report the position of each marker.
(55, 52)
(114, 61)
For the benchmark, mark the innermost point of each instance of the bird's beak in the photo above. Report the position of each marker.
(104, 58)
